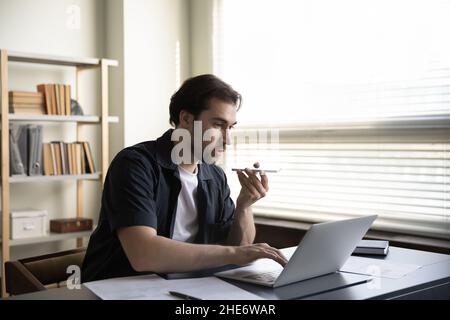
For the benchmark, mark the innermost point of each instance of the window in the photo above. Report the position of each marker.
(358, 93)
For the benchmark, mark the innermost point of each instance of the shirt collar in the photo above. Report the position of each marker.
(164, 146)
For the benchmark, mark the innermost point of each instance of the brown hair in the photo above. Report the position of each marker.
(195, 94)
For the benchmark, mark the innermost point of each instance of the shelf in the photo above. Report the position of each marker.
(58, 60)
(20, 179)
(57, 118)
(52, 237)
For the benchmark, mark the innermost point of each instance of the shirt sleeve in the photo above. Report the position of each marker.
(227, 215)
(129, 197)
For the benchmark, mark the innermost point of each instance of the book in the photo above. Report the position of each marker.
(67, 102)
(26, 109)
(62, 99)
(27, 94)
(48, 164)
(53, 156)
(58, 99)
(53, 96)
(372, 247)
(26, 100)
(90, 168)
(78, 157)
(45, 90)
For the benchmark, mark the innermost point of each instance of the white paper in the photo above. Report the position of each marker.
(378, 268)
(153, 287)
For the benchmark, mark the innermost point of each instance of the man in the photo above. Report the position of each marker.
(164, 211)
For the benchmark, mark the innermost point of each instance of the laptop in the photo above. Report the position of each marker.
(323, 250)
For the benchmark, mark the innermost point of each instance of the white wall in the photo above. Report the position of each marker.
(151, 31)
(114, 49)
(201, 35)
(46, 26)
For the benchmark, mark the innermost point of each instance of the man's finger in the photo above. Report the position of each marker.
(246, 183)
(265, 181)
(274, 256)
(255, 182)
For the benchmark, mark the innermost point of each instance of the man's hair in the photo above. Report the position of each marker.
(195, 93)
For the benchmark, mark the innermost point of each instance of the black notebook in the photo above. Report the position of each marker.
(375, 247)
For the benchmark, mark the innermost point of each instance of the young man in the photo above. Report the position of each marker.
(164, 213)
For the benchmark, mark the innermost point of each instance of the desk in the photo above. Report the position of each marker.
(432, 281)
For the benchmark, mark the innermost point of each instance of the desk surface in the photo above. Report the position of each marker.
(434, 273)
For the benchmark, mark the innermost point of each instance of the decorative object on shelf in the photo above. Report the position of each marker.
(28, 223)
(76, 109)
(70, 225)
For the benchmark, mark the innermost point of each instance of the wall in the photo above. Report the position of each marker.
(151, 32)
(201, 35)
(114, 49)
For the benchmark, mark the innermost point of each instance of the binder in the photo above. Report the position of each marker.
(34, 150)
(18, 141)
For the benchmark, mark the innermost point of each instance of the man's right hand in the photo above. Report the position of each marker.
(244, 255)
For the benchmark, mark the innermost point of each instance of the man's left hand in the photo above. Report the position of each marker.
(253, 188)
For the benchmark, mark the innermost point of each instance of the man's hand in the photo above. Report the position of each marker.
(252, 188)
(244, 255)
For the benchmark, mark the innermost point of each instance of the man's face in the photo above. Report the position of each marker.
(217, 121)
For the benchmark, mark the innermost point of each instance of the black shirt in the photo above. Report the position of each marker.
(141, 189)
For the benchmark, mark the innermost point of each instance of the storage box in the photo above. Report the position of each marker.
(70, 225)
(28, 223)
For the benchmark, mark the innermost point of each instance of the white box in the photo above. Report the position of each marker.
(28, 223)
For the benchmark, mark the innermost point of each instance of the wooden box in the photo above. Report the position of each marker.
(70, 225)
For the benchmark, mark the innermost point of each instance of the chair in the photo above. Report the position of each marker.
(42, 272)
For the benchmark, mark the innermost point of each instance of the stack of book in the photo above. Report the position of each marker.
(57, 98)
(67, 158)
(26, 102)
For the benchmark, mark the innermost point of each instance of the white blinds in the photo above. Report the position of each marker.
(334, 174)
(360, 91)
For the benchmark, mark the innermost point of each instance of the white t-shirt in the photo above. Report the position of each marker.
(186, 219)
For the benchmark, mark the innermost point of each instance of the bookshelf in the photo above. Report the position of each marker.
(103, 120)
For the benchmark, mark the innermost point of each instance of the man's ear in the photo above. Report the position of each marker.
(186, 119)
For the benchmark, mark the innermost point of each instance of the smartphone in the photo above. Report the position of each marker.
(270, 170)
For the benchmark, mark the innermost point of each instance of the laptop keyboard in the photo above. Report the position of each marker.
(270, 276)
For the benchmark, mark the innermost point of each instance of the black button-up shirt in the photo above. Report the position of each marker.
(141, 189)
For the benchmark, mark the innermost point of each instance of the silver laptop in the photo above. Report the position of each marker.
(323, 250)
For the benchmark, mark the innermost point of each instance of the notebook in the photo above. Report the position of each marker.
(374, 247)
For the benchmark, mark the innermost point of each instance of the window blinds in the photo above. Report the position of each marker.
(341, 173)
(359, 93)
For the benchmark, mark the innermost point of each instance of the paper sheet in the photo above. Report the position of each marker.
(153, 287)
(378, 268)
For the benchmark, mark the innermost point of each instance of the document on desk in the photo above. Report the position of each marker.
(378, 268)
(154, 287)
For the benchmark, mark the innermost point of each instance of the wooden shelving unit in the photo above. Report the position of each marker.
(103, 119)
